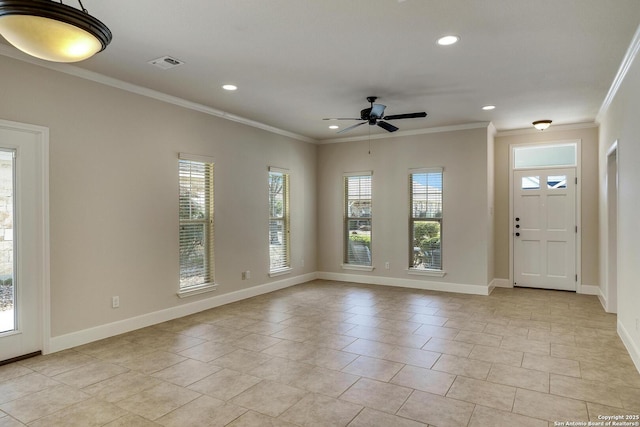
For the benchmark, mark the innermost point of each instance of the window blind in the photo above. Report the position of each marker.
(357, 219)
(196, 222)
(425, 219)
(279, 219)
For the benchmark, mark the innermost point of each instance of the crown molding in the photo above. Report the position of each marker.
(628, 59)
(143, 91)
(407, 133)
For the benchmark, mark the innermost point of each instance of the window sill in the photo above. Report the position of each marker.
(357, 267)
(421, 272)
(280, 272)
(197, 290)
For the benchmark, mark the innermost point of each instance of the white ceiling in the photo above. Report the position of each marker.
(298, 61)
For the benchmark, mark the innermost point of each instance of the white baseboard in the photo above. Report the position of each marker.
(603, 300)
(406, 283)
(632, 347)
(86, 336)
(588, 290)
(501, 283)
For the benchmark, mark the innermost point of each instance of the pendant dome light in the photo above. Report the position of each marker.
(52, 31)
(541, 124)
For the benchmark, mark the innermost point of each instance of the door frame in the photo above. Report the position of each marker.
(43, 242)
(578, 213)
(611, 236)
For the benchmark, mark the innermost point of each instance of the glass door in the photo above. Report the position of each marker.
(7, 242)
(23, 239)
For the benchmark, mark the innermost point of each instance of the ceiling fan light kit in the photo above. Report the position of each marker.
(374, 115)
(541, 124)
(52, 31)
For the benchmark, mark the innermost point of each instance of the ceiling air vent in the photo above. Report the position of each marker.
(166, 62)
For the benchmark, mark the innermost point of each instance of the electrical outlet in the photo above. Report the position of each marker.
(386, 265)
(115, 302)
(247, 275)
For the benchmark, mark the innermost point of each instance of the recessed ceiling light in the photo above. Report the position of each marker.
(229, 87)
(448, 40)
(334, 127)
(489, 107)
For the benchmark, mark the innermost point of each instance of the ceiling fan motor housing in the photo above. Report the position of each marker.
(374, 115)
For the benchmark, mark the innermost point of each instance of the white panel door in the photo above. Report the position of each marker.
(21, 242)
(544, 228)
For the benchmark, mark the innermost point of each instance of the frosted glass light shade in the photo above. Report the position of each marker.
(52, 31)
(541, 124)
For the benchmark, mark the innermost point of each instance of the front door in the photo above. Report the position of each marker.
(544, 228)
(21, 230)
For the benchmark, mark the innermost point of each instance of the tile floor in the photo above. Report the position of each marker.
(336, 354)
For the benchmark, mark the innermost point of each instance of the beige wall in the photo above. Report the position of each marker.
(620, 122)
(589, 197)
(465, 236)
(113, 194)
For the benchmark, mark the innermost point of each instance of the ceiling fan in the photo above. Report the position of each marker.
(374, 116)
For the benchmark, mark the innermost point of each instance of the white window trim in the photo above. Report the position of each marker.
(280, 271)
(197, 290)
(363, 173)
(195, 158)
(279, 170)
(425, 272)
(427, 170)
(358, 267)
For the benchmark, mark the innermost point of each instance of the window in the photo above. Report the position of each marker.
(196, 223)
(357, 219)
(425, 221)
(556, 182)
(530, 182)
(548, 155)
(8, 261)
(279, 256)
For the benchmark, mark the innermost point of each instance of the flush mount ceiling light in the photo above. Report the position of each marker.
(52, 31)
(541, 124)
(448, 40)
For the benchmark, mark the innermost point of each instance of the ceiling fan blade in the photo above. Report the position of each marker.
(387, 126)
(377, 110)
(341, 118)
(351, 127)
(406, 116)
